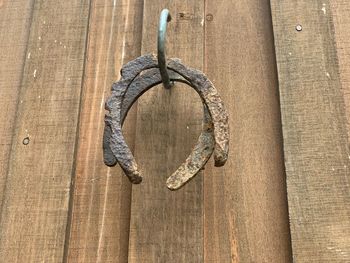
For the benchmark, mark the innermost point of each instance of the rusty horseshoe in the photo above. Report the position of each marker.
(201, 152)
(133, 84)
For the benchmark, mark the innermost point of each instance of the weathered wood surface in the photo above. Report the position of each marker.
(101, 201)
(13, 46)
(316, 144)
(245, 215)
(58, 61)
(340, 11)
(37, 187)
(168, 226)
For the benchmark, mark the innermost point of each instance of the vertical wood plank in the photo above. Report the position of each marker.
(36, 195)
(167, 226)
(316, 142)
(340, 11)
(101, 201)
(245, 216)
(15, 20)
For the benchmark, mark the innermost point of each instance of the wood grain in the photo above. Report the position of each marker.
(341, 22)
(245, 206)
(58, 60)
(341, 19)
(35, 208)
(316, 141)
(167, 226)
(13, 46)
(101, 201)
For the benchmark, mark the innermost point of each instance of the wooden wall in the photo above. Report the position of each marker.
(287, 95)
(312, 70)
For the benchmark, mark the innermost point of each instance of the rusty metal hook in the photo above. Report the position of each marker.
(165, 17)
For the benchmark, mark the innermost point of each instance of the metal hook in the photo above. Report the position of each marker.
(165, 17)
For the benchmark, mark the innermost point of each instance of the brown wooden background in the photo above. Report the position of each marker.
(60, 203)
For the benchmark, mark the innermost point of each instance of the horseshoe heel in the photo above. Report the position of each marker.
(209, 94)
(198, 157)
(115, 145)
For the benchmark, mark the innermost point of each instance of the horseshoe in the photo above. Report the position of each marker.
(115, 147)
(201, 152)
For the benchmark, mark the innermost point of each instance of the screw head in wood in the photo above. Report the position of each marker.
(26, 141)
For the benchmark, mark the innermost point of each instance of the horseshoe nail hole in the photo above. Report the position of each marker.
(209, 17)
(26, 141)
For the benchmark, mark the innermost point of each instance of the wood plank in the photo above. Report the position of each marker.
(341, 19)
(101, 201)
(167, 226)
(36, 196)
(316, 143)
(245, 215)
(15, 20)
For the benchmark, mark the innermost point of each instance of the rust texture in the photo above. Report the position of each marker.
(211, 98)
(132, 85)
(198, 157)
